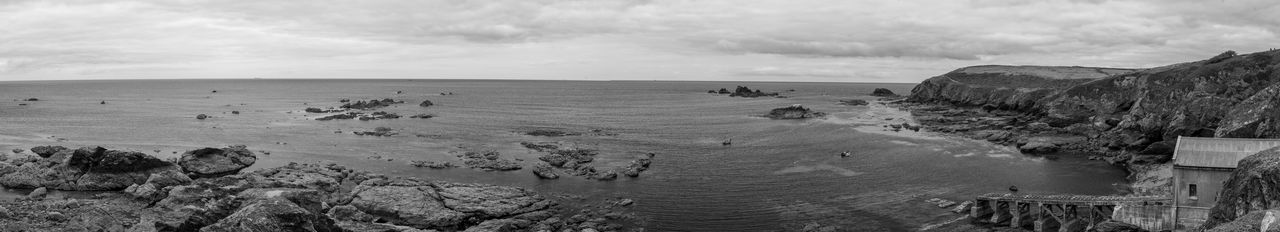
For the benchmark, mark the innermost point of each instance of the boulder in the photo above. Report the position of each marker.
(605, 175)
(38, 193)
(544, 171)
(46, 151)
(1038, 148)
(86, 169)
(213, 162)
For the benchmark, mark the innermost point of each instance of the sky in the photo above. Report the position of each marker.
(900, 41)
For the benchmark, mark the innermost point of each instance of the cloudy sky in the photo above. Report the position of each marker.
(744, 40)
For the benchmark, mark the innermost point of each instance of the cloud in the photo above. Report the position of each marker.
(684, 39)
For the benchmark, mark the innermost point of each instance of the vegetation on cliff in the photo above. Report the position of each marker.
(1227, 96)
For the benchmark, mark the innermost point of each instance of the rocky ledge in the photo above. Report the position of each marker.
(794, 112)
(295, 197)
(743, 91)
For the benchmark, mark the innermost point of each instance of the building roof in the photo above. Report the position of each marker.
(1217, 152)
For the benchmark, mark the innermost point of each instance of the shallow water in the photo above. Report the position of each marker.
(777, 175)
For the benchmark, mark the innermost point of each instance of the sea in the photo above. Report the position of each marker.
(777, 175)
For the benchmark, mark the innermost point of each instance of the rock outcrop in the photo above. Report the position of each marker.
(212, 162)
(1252, 187)
(86, 168)
(303, 197)
(883, 92)
(1004, 87)
(793, 112)
(46, 151)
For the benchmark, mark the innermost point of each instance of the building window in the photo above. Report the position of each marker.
(1191, 191)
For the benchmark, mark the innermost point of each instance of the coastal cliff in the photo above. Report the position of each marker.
(1228, 95)
(1005, 87)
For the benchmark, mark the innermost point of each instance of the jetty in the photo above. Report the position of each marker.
(1070, 212)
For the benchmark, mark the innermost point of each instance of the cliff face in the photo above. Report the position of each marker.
(1191, 99)
(1252, 187)
(1004, 87)
(1226, 96)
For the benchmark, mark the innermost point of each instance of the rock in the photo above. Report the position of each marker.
(723, 91)
(489, 160)
(1116, 226)
(168, 178)
(637, 166)
(147, 192)
(213, 162)
(426, 103)
(550, 133)
(743, 91)
(854, 102)
(883, 92)
(625, 202)
(431, 164)
(202, 116)
(56, 216)
(235, 112)
(544, 171)
(793, 112)
(46, 151)
(423, 116)
(273, 214)
(1038, 148)
(443, 205)
(606, 175)
(86, 169)
(369, 105)
(963, 208)
(38, 193)
(1161, 148)
(18, 151)
(379, 131)
(32, 99)
(1248, 189)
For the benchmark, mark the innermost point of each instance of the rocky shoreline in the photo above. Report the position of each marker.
(205, 191)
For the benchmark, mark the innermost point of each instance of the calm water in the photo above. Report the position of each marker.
(778, 175)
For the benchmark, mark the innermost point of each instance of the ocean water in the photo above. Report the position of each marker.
(779, 175)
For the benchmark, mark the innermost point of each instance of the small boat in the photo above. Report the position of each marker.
(844, 154)
(727, 142)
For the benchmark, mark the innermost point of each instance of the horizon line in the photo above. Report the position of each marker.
(443, 79)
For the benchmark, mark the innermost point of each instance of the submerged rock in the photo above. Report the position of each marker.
(212, 162)
(426, 103)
